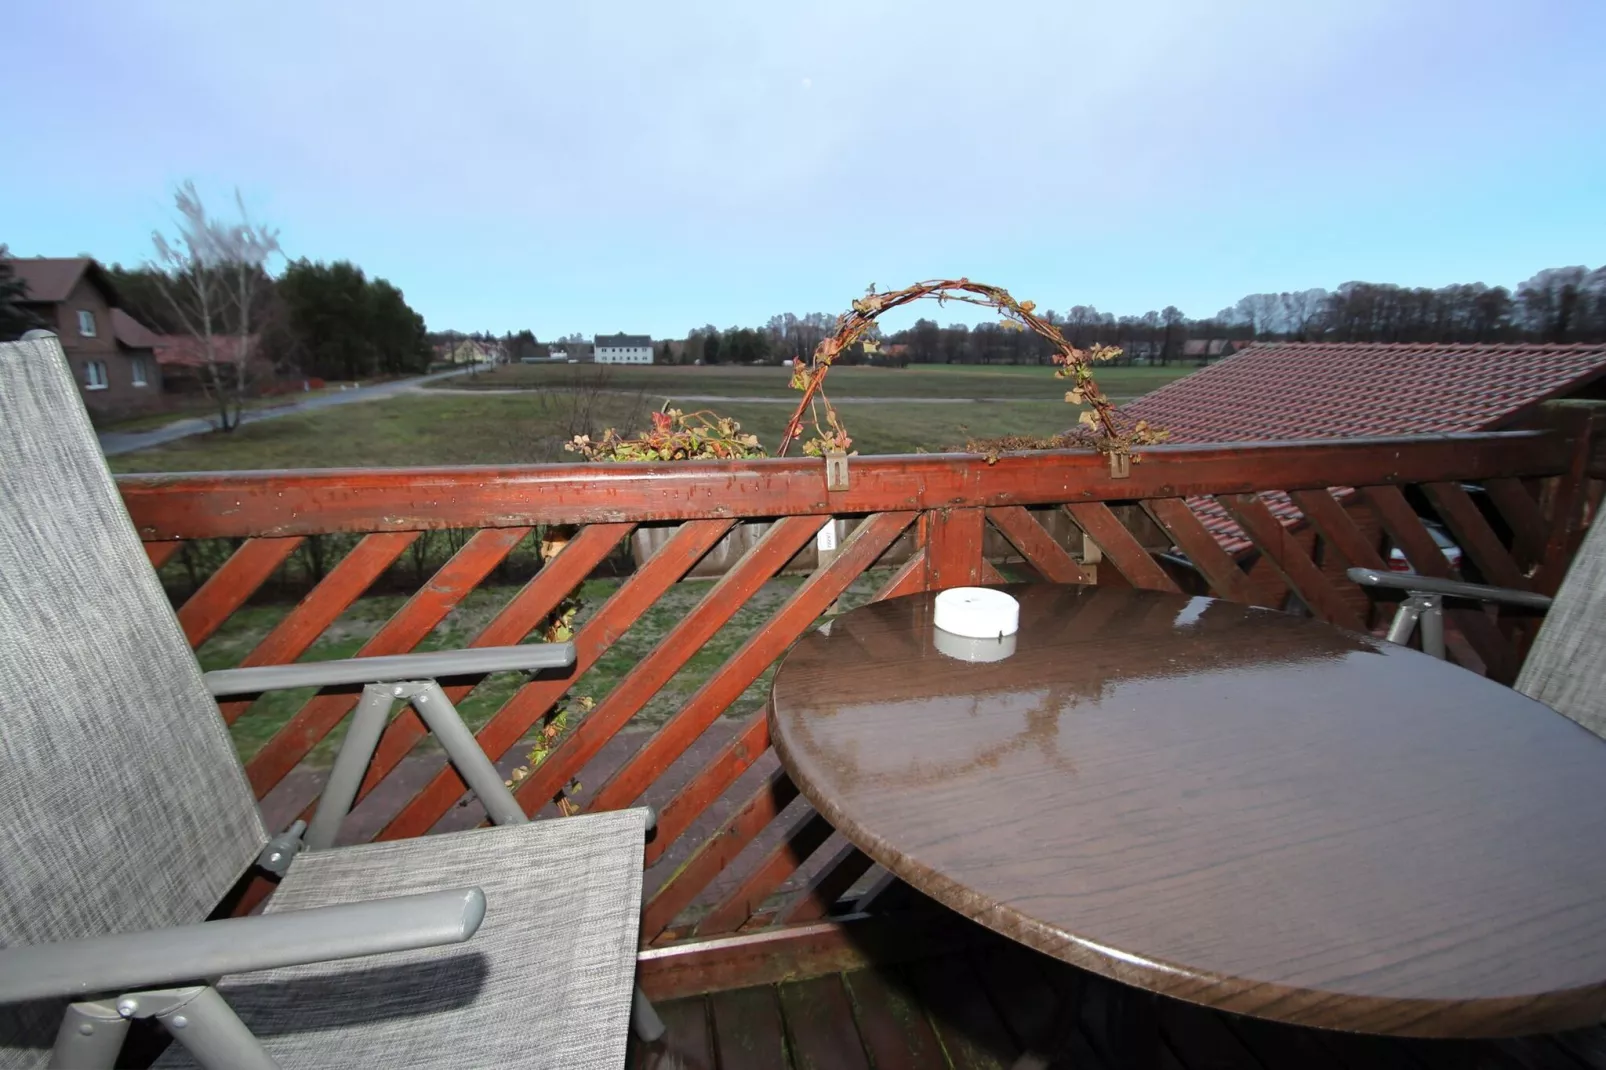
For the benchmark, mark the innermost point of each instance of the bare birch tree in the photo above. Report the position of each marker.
(214, 275)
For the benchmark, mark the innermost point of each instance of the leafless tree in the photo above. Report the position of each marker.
(214, 276)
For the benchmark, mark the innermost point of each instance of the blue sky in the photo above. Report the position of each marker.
(652, 167)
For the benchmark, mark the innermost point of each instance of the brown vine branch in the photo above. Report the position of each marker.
(1105, 431)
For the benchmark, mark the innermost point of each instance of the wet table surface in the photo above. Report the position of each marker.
(1248, 810)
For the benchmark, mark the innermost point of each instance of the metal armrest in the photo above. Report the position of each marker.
(187, 953)
(1409, 581)
(426, 666)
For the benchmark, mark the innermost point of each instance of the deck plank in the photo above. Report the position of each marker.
(686, 1044)
(819, 1021)
(1281, 1046)
(1200, 1038)
(1038, 1000)
(1588, 1046)
(748, 1032)
(972, 1034)
(892, 1023)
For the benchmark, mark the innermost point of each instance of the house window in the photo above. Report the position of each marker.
(95, 375)
(139, 371)
(86, 323)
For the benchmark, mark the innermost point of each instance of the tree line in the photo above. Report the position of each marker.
(315, 319)
(1556, 305)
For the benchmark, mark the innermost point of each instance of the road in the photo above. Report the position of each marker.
(115, 442)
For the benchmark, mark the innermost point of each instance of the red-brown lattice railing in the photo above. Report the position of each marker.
(937, 513)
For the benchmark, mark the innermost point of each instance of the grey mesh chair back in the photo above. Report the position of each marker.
(1566, 669)
(122, 803)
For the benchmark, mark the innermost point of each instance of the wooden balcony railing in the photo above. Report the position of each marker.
(1342, 503)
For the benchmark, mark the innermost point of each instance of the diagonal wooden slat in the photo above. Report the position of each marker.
(868, 541)
(717, 607)
(806, 836)
(1121, 546)
(1285, 554)
(710, 782)
(832, 883)
(1217, 566)
(406, 629)
(227, 589)
(989, 573)
(344, 584)
(746, 747)
(1036, 545)
(528, 609)
(160, 553)
(532, 701)
(910, 578)
(715, 853)
(1405, 530)
(1335, 525)
(1521, 514)
(1474, 535)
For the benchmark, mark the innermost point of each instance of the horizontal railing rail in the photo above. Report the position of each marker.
(736, 850)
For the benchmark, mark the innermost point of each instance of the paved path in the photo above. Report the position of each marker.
(115, 442)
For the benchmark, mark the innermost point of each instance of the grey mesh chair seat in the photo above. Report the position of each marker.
(545, 982)
(125, 819)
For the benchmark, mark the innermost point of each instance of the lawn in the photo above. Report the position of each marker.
(916, 381)
(427, 428)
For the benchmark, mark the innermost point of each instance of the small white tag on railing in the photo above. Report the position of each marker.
(825, 538)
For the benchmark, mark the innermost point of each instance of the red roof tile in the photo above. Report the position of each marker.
(49, 279)
(131, 332)
(1295, 390)
(1299, 390)
(187, 350)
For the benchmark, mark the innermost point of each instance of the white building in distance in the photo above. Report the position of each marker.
(623, 349)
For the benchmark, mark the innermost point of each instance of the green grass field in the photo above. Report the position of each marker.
(450, 427)
(917, 381)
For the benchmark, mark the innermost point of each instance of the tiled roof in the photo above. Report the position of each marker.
(1294, 390)
(189, 351)
(131, 332)
(50, 279)
(1298, 390)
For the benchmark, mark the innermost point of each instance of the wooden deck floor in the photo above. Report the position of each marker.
(994, 1003)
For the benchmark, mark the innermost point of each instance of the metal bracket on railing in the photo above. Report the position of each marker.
(1120, 465)
(836, 471)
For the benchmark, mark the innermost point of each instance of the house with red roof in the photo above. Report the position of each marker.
(112, 354)
(1274, 391)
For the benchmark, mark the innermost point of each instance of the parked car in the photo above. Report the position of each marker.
(1452, 552)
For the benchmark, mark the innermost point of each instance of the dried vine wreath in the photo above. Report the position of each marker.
(1099, 428)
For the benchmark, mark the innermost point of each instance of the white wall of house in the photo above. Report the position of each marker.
(624, 354)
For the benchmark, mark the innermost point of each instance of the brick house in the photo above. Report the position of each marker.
(111, 353)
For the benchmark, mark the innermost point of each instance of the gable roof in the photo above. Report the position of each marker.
(130, 332)
(623, 340)
(1295, 390)
(50, 280)
(1272, 391)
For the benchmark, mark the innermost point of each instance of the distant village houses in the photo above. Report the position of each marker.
(112, 355)
(623, 349)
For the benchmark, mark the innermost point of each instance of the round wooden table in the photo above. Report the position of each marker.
(1224, 804)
